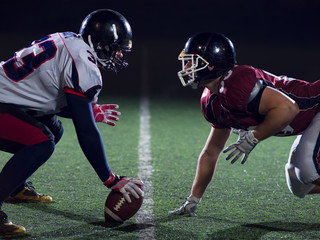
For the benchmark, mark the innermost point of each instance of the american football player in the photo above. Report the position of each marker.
(59, 75)
(257, 105)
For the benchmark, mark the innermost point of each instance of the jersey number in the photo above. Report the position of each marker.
(18, 70)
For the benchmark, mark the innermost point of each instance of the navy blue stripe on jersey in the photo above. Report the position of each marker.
(75, 77)
(92, 92)
(316, 154)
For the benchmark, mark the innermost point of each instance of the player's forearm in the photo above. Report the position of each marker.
(88, 135)
(275, 121)
(204, 173)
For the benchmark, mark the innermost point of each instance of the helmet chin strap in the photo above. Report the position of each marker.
(194, 84)
(90, 42)
(207, 81)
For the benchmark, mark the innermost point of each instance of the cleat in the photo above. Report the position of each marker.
(28, 194)
(8, 228)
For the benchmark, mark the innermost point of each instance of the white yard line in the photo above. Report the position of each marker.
(145, 215)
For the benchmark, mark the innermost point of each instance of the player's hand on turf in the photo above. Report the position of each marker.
(105, 113)
(125, 185)
(188, 207)
(242, 147)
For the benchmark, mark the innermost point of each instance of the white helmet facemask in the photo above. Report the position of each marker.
(191, 63)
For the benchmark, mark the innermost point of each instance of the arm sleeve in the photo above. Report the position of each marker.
(88, 134)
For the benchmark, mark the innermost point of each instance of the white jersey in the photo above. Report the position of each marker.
(37, 77)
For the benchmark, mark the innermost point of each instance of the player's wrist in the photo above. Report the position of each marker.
(192, 198)
(111, 181)
(252, 138)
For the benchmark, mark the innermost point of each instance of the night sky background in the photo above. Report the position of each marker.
(282, 37)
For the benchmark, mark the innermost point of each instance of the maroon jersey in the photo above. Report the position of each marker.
(242, 86)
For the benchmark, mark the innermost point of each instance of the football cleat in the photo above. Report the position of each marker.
(8, 228)
(28, 194)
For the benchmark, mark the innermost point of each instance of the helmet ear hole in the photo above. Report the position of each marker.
(100, 45)
(210, 67)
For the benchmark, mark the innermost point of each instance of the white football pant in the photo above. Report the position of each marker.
(302, 167)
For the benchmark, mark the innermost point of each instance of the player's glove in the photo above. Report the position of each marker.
(188, 207)
(104, 113)
(125, 186)
(243, 146)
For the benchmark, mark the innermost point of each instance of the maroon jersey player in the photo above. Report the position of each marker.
(257, 105)
(230, 108)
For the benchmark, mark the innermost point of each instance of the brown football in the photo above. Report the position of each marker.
(117, 209)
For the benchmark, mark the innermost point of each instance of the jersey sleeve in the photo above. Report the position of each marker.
(210, 109)
(236, 88)
(81, 73)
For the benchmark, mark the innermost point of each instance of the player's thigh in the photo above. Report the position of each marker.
(18, 129)
(54, 124)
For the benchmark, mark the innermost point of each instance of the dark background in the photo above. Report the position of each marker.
(280, 36)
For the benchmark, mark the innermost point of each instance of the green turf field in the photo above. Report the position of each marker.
(248, 201)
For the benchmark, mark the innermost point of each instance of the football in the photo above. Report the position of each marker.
(117, 209)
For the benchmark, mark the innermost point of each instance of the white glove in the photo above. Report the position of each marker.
(125, 186)
(102, 113)
(244, 145)
(188, 207)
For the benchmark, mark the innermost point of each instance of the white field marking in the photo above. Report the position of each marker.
(145, 214)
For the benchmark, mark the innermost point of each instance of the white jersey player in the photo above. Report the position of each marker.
(59, 75)
(50, 67)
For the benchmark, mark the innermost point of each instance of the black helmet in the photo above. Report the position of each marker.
(202, 50)
(106, 32)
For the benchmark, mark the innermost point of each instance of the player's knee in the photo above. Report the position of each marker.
(295, 186)
(43, 150)
(58, 134)
(298, 194)
(50, 145)
(46, 147)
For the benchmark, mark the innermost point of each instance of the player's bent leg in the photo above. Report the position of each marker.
(302, 169)
(307, 153)
(22, 165)
(295, 186)
(32, 145)
(7, 227)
